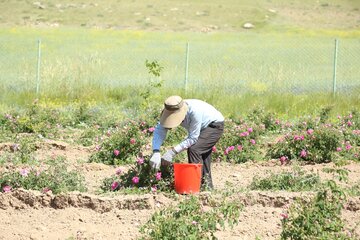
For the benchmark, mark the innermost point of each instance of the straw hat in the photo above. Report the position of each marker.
(174, 112)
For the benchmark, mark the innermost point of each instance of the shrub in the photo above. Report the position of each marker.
(35, 119)
(294, 181)
(230, 136)
(53, 178)
(351, 120)
(190, 220)
(140, 176)
(347, 151)
(261, 117)
(238, 143)
(81, 115)
(316, 146)
(352, 136)
(338, 173)
(241, 153)
(88, 136)
(325, 114)
(354, 190)
(318, 219)
(307, 122)
(121, 145)
(20, 152)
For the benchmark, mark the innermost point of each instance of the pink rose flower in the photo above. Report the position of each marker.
(310, 131)
(213, 149)
(298, 138)
(303, 153)
(153, 188)
(6, 189)
(135, 180)
(24, 172)
(118, 171)
(252, 141)
(338, 149)
(140, 161)
(132, 141)
(46, 190)
(152, 129)
(244, 134)
(283, 160)
(228, 150)
(116, 152)
(158, 176)
(240, 147)
(114, 186)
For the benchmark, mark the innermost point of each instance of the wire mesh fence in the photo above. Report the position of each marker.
(246, 63)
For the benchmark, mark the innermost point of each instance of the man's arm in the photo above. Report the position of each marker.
(193, 134)
(158, 137)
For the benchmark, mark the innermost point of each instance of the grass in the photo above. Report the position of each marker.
(74, 61)
(184, 15)
(286, 105)
(96, 52)
(118, 102)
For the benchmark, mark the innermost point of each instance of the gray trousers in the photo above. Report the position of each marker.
(201, 151)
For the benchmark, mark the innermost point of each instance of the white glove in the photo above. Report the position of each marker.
(155, 160)
(168, 156)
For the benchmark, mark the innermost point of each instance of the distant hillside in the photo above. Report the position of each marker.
(184, 15)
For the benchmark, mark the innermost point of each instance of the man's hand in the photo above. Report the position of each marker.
(155, 160)
(168, 156)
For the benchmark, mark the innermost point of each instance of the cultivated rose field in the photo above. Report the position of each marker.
(82, 172)
(82, 86)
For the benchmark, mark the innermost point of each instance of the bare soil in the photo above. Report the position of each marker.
(28, 214)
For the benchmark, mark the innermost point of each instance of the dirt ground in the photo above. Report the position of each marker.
(34, 215)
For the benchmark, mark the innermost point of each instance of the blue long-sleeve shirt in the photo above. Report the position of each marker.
(199, 115)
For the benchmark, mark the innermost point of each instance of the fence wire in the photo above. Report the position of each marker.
(243, 64)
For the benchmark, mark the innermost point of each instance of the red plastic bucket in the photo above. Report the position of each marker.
(187, 177)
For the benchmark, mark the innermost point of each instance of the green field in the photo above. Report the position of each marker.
(97, 51)
(183, 16)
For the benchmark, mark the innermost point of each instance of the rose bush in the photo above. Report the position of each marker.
(140, 176)
(316, 146)
(122, 144)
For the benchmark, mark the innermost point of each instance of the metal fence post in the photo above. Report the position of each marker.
(38, 68)
(335, 66)
(186, 67)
